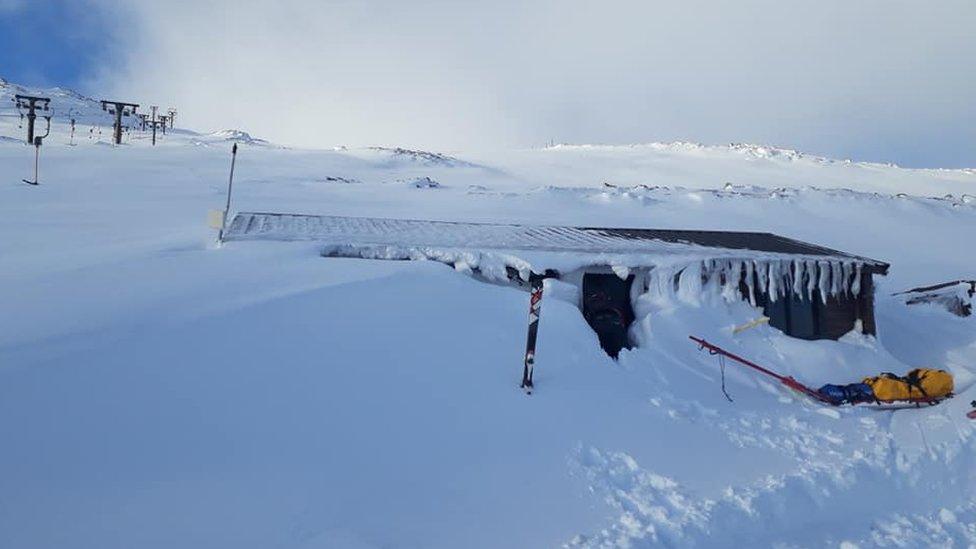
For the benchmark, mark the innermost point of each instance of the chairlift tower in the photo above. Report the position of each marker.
(163, 119)
(31, 103)
(154, 124)
(119, 109)
(142, 120)
(172, 117)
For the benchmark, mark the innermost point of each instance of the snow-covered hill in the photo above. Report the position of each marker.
(159, 391)
(65, 104)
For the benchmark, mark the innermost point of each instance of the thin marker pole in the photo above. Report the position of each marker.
(38, 140)
(230, 187)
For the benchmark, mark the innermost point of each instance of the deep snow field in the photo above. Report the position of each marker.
(159, 391)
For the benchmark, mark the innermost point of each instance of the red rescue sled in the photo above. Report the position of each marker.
(801, 388)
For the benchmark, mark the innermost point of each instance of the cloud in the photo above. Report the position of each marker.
(876, 79)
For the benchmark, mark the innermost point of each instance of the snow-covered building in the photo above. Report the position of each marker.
(806, 291)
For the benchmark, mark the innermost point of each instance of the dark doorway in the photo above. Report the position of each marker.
(607, 309)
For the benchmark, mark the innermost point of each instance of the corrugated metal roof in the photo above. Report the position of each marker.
(340, 230)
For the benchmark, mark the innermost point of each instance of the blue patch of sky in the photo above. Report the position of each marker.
(54, 42)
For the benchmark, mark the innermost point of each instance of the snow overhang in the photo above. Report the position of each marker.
(527, 247)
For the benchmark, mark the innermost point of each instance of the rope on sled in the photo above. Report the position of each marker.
(721, 364)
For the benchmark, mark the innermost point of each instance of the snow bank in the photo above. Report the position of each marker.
(157, 390)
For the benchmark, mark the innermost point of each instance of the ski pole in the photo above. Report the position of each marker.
(230, 187)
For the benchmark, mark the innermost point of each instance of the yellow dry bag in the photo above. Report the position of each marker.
(918, 384)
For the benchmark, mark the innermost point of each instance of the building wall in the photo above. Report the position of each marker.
(803, 314)
(812, 317)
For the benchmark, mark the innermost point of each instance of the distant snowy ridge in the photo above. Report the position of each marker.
(239, 136)
(742, 149)
(760, 192)
(424, 157)
(758, 151)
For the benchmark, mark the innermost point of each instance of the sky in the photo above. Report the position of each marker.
(53, 42)
(876, 80)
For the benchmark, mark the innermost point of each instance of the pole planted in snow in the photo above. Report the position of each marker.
(154, 124)
(38, 140)
(37, 155)
(230, 187)
(535, 307)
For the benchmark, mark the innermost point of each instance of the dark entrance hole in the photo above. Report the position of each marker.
(607, 309)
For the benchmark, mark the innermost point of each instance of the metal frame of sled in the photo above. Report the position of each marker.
(795, 385)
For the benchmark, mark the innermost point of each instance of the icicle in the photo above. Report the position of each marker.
(733, 274)
(786, 275)
(856, 285)
(669, 282)
(714, 278)
(690, 283)
(811, 267)
(774, 281)
(798, 277)
(621, 271)
(750, 284)
(824, 282)
(835, 275)
(662, 285)
(651, 284)
(846, 282)
(762, 274)
(787, 267)
(786, 272)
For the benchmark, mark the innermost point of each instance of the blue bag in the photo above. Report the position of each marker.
(847, 394)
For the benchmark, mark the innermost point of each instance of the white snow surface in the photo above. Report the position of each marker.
(159, 391)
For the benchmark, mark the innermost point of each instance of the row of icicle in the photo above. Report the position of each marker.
(738, 278)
